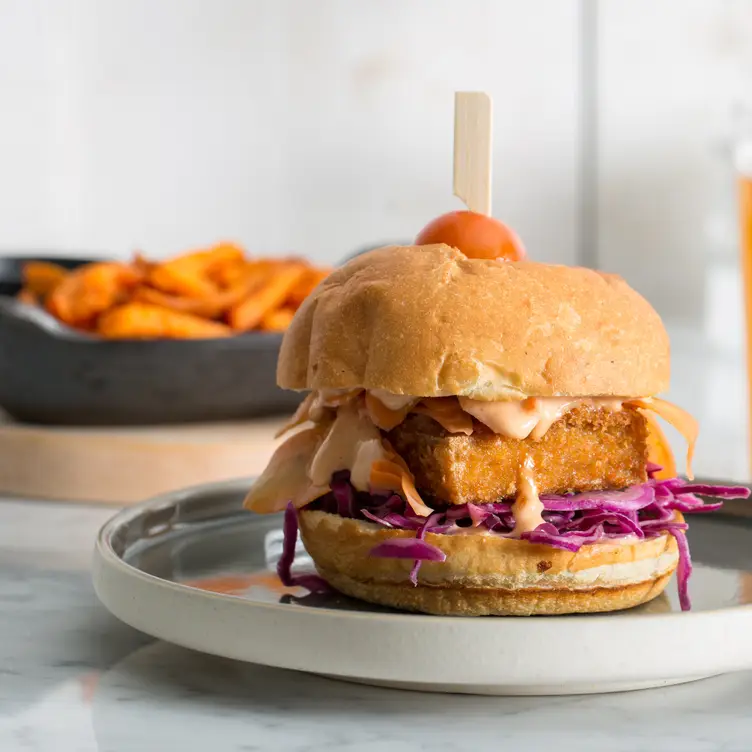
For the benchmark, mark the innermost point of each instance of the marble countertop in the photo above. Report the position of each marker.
(73, 679)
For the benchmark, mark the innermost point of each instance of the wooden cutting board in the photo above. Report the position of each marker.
(126, 465)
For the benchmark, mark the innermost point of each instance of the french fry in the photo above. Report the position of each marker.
(41, 277)
(179, 279)
(142, 264)
(253, 275)
(25, 295)
(211, 258)
(277, 321)
(194, 306)
(188, 275)
(229, 272)
(306, 285)
(145, 321)
(211, 307)
(221, 252)
(192, 295)
(90, 290)
(248, 314)
(248, 275)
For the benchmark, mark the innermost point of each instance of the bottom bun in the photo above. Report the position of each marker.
(485, 574)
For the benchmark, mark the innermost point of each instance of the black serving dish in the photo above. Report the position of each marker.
(52, 374)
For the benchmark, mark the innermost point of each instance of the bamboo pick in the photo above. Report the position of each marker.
(472, 150)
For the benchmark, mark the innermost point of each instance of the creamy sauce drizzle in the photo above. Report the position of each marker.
(515, 419)
(369, 451)
(518, 419)
(329, 398)
(527, 508)
(393, 401)
(353, 443)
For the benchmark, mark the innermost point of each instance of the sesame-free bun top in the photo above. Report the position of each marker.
(428, 321)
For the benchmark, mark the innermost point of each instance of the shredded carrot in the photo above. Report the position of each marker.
(393, 474)
(448, 413)
(659, 450)
(383, 417)
(680, 419)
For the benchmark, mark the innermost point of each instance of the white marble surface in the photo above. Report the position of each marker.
(73, 679)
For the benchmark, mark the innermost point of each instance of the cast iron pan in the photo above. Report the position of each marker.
(52, 374)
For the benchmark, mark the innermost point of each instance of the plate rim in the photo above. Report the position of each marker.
(104, 549)
(652, 650)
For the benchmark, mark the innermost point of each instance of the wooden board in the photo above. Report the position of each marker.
(128, 465)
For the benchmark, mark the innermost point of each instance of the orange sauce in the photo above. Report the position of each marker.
(239, 584)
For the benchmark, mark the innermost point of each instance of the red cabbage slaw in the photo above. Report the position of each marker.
(311, 582)
(570, 521)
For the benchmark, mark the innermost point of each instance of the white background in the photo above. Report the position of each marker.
(319, 126)
(322, 126)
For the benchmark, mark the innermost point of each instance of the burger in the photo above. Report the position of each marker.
(479, 437)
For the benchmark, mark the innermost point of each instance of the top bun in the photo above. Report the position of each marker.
(428, 321)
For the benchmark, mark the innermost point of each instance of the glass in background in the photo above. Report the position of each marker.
(708, 358)
(744, 171)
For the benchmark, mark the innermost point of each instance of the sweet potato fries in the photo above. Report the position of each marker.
(216, 292)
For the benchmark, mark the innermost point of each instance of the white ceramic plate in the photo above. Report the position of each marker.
(194, 569)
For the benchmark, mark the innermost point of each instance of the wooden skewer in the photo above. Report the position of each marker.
(472, 150)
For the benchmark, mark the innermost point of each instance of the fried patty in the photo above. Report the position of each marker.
(587, 449)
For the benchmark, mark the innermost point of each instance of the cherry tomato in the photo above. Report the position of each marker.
(476, 235)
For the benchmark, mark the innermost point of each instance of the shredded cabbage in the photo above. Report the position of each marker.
(408, 548)
(570, 521)
(311, 582)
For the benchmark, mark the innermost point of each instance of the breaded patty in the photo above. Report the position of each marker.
(587, 449)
